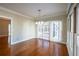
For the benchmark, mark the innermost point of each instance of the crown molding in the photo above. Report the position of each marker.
(14, 12)
(60, 17)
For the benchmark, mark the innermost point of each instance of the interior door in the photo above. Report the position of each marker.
(4, 36)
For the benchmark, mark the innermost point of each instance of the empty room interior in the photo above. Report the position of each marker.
(39, 29)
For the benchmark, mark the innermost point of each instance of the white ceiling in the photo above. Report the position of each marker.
(30, 9)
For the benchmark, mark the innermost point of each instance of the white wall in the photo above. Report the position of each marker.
(21, 28)
(28, 29)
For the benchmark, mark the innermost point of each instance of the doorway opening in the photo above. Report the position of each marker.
(5, 31)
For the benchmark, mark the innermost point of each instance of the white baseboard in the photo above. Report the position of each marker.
(19, 41)
(29, 39)
(59, 42)
(63, 42)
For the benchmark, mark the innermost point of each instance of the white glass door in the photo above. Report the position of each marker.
(46, 31)
(50, 30)
(43, 30)
(56, 31)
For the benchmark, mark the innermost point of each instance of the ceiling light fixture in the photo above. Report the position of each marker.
(39, 16)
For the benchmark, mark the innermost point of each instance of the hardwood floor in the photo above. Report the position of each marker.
(4, 46)
(37, 47)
